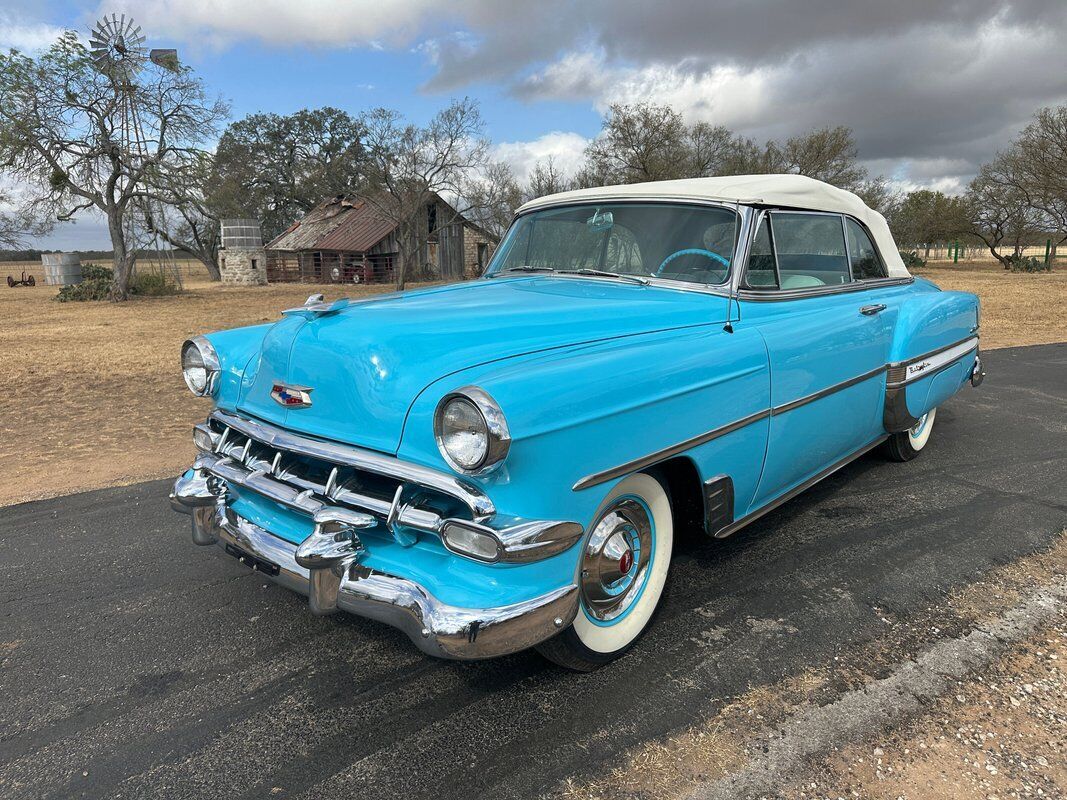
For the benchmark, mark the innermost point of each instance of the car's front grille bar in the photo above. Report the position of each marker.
(256, 437)
(305, 495)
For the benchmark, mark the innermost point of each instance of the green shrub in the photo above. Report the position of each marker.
(92, 289)
(912, 260)
(94, 272)
(152, 284)
(97, 282)
(1028, 264)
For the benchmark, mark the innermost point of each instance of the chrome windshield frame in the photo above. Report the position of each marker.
(726, 289)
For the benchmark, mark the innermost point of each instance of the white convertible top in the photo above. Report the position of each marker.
(785, 191)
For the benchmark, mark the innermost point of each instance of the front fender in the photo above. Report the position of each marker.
(581, 410)
(236, 348)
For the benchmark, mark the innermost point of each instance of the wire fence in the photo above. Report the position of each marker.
(189, 269)
(947, 252)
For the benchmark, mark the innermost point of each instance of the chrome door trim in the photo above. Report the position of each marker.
(837, 387)
(779, 295)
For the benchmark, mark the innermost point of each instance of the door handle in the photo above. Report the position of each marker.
(870, 311)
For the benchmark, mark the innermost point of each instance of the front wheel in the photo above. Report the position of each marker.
(621, 578)
(906, 445)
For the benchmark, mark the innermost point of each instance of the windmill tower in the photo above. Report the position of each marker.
(118, 52)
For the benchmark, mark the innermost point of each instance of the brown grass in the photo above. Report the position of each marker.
(1017, 309)
(96, 398)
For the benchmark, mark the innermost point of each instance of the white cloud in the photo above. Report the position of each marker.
(27, 36)
(370, 23)
(564, 148)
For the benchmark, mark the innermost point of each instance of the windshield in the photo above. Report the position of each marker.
(648, 240)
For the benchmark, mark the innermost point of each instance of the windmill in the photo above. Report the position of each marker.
(116, 46)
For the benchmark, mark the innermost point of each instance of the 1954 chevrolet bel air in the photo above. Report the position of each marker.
(504, 463)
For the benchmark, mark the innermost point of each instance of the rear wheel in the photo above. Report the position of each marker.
(624, 567)
(906, 445)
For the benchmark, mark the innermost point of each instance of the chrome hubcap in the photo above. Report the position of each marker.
(616, 559)
(918, 429)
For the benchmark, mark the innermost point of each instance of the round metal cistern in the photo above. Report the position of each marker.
(616, 560)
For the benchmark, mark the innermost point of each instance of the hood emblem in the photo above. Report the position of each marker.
(291, 396)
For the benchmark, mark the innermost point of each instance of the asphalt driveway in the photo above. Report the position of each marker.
(134, 664)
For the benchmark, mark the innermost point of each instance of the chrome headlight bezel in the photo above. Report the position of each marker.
(498, 437)
(209, 360)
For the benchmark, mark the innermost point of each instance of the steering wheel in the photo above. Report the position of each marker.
(692, 251)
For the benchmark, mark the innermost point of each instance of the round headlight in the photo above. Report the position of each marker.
(200, 366)
(471, 431)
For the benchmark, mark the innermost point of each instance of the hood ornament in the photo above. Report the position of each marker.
(316, 306)
(290, 396)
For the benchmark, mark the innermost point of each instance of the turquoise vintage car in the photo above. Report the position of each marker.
(504, 463)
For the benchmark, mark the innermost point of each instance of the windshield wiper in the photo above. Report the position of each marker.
(603, 273)
(523, 268)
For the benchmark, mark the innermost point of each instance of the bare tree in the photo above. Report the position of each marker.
(546, 178)
(190, 224)
(999, 211)
(826, 154)
(19, 223)
(413, 166)
(61, 134)
(639, 142)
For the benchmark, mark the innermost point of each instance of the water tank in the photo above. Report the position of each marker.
(61, 269)
(241, 234)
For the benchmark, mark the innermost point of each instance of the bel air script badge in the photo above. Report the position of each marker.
(291, 396)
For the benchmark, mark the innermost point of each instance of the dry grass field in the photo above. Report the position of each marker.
(96, 397)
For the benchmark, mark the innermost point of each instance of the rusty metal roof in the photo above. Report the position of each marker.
(339, 223)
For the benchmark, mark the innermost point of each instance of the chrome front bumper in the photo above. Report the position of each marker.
(342, 583)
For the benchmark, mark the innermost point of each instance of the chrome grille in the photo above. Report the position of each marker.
(309, 475)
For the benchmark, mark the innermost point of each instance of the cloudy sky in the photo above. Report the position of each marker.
(931, 88)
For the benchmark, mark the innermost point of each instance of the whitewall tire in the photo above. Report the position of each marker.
(908, 444)
(625, 559)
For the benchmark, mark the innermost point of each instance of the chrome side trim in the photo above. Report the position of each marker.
(480, 505)
(667, 452)
(435, 627)
(902, 373)
(777, 295)
(785, 498)
(837, 387)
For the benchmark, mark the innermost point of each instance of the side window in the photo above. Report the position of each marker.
(865, 262)
(762, 273)
(811, 250)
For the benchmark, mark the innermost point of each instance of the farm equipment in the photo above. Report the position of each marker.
(26, 280)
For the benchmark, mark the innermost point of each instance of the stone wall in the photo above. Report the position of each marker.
(243, 267)
(472, 237)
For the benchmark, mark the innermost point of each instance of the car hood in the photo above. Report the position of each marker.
(366, 364)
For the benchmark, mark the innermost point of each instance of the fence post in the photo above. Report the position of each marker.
(956, 252)
(1048, 250)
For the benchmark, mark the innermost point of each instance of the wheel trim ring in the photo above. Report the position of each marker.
(601, 610)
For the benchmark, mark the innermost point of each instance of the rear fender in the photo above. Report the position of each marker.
(928, 324)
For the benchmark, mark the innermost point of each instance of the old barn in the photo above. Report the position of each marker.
(346, 239)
